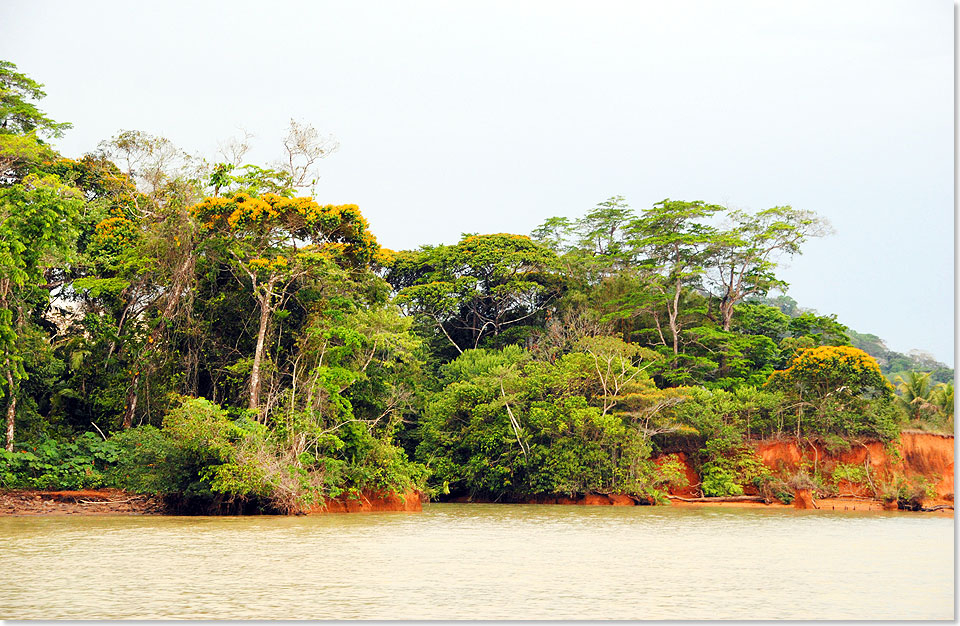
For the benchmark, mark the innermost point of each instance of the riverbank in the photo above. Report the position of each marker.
(118, 502)
(919, 457)
(823, 504)
(859, 471)
(85, 502)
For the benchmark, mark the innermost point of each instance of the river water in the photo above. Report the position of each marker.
(483, 561)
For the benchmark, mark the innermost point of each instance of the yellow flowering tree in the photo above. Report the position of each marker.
(837, 389)
(271, 241)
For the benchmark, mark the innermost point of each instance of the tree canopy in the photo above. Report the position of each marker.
(212, 329)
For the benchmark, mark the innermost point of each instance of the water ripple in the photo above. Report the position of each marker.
(460, 561)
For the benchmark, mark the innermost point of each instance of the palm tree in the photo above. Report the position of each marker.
(942, 398)
(915, 393)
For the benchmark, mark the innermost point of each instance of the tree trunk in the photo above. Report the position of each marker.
(726, 314)
(131, 404)
(673, 313)
(11, 414)
(11, 407)
(258, 353)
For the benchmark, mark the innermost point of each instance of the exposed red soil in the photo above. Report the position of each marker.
(85, 502)
(371, 502)
(117, 502)
(692, 488)
(917, 455)
(803, 499)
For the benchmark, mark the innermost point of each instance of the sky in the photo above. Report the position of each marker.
(485, 117)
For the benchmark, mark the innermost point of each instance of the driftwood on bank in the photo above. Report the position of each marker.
(109, 501)
(939, 507)
(721, 499)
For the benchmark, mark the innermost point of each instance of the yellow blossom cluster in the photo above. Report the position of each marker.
(384, 257)
(832, 357)
(472, 238)
(303, 218)
(840, 366)
(262, 264)
(114, 233)
(250, 210)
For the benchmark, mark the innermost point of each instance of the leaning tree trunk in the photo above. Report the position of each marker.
(11, 407)
(673, 314)
(265, 301)
(144, 365)
(11, 414)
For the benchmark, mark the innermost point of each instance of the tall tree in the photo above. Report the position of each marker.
(261, 240)
(160, 169)
(477, 288)
(37, 229)
(18, 115)
(675, 243)
(304, 146)
(602, 230)
(744, 256)
(22, 125)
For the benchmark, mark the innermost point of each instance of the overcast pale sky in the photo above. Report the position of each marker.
(491, 116)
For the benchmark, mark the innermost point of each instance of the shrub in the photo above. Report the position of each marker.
(854, 474)
(53, 464)
(149, 461)
(909, 494)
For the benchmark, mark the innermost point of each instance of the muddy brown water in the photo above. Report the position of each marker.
(482, 561)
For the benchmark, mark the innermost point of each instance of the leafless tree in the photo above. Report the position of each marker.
(304, 146)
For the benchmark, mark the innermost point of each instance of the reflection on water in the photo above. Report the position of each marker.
(479, 561)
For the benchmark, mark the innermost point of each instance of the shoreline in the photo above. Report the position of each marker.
(31, 502)
(825, 504)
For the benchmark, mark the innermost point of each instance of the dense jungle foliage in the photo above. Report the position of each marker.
(208, 329)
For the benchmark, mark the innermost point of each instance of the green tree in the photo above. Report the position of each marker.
(37, 230)
(258, 238)
(942, 398)
(602, 230)
(744, 256)
(477, 288)
(504, 425)
(18, 115)
(22, 125)
(594, 247)
(675, 244)
(914, 393)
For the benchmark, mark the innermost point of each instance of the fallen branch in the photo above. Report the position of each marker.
(939, 507)
(721, 499)
(109, 501)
